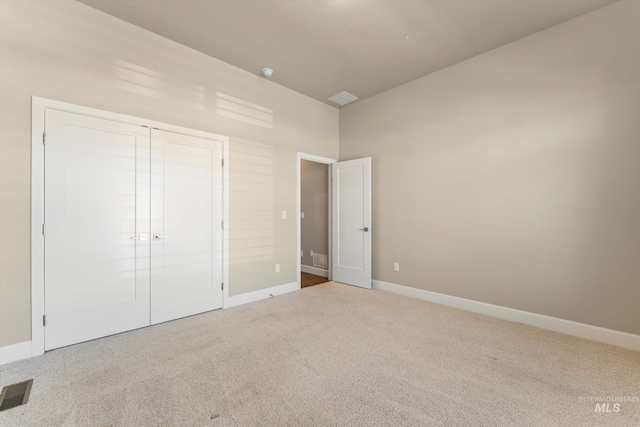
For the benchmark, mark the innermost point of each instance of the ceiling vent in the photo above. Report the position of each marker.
(343, 98)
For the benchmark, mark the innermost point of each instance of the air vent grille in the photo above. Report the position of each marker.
(320, 260)
(343, 98)
(15, 395)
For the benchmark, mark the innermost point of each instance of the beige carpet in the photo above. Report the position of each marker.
(329, 355)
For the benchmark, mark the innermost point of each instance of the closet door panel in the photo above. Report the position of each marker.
(186, 212)
(96, 214)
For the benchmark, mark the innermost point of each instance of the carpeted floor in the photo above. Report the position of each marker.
(331, 355)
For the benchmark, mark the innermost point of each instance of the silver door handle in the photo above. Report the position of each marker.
(366, 229)
(159, 237)
(142, 236)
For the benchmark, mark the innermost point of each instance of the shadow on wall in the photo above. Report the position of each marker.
(251, 171)
(251, 203)
(252, 242)
(238, 109)
(153, 84)
(143, 81)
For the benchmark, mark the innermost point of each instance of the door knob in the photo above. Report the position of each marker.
(142, 236)
(366, 229)
(159, 237)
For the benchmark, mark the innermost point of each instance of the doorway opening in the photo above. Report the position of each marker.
(314, 220)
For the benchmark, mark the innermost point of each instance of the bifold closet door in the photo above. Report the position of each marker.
(186, 216)
(97, 185)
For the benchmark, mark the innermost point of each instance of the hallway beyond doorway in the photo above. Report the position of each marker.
(307, 280)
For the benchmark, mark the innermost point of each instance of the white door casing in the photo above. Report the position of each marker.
(351, 201)
(329, 162)
(186, 218)
(97, 216)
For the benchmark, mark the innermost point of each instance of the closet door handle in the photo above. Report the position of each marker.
(159, 237)
(366, 229)
(142, 236)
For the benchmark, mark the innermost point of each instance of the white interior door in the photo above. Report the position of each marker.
(97, 220)
(351, 201)
(186, 216)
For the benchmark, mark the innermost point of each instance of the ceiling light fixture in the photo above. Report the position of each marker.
(267, 72)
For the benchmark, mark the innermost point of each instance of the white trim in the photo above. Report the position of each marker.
(314, 158)
(580, 330)
(38, 108)
(225, 218)
(15, 352)
(241, 299)
(314, 270)
(122, 118)
(326, 161)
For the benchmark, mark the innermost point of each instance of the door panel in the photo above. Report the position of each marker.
(97, 201)
(351, 189)
(350, 203)
(186, 216)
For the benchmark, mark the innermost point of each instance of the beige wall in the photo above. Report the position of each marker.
(70, 52)
(314, 202)
(513, 178)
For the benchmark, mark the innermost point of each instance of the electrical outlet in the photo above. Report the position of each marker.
(277, 268)
(301, 253)
(396, 266)
(311, 254)
(302, 215)
(284, 214)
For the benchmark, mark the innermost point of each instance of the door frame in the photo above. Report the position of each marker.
(329, 162)
(38, 108)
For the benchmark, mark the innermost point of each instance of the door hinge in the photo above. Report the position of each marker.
(44, 138)
(222, 285)
(44, 320)
(222, 224)
(44, 229)
(222, 162)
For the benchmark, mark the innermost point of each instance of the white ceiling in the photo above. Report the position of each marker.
(364, 47)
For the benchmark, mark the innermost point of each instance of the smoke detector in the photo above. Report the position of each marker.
(267, 72)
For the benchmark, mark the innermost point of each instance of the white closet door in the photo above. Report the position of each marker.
(97, 216)
(186, 215)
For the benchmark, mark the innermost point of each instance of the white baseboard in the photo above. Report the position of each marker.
(261, 294)
(581, 330)
(314, 270)
(15, 352)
